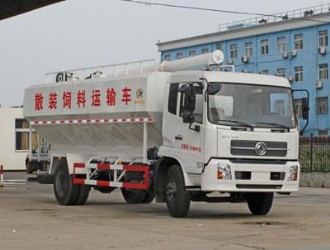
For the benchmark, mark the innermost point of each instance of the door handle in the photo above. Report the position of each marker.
(178, 137)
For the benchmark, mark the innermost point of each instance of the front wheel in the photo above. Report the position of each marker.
(260, 203)
(177, 198)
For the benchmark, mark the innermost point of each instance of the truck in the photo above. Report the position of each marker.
(38, 159)
(182, 131)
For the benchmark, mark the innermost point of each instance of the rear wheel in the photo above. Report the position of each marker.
(177, 198)
(65, 191)
(133, 196)
(83, 193)
(260, 203)
(150, 196)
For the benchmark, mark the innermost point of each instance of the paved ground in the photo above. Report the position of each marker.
(30, 218)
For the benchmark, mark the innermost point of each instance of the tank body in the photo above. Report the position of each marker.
(103, 116)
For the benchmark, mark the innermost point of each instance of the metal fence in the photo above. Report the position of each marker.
(314, 154)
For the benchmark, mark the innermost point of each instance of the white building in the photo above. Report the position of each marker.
(14, 142)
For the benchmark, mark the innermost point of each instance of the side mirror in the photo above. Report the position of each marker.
(305, 108)
(213, 88)
(188, 117)
(189, 104)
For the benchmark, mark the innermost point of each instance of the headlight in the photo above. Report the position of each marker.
(293, 173)
(223, 172)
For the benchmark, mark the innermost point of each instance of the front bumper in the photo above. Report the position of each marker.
(250, 177)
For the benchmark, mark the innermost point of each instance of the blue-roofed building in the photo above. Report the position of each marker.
(294, 45)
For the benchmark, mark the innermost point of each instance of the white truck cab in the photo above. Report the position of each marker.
(174, 133)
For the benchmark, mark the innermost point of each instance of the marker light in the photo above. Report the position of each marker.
(293, 173)
(223, 172)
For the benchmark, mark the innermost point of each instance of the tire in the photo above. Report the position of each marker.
(133, 196)
(65, 191)
(177, 198)
(28, 166)
(149, 196)
(83, 193)
(260, 203)
(45, 178)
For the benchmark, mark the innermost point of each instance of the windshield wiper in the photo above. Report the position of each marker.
(270, 124)
(238, 123)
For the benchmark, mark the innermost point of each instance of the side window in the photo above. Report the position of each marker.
(198, 106)
(173, 98)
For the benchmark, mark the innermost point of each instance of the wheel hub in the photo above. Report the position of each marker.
(171, 189)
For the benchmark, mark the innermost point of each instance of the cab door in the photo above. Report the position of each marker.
(189, 137)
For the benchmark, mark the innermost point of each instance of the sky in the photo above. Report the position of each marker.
(83, 33)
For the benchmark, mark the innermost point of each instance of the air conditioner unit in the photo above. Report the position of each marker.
(322, 50)
(285, 55)
(319, 84)
(245, 59)
(230, 61)
(293, 53)
(290, 78)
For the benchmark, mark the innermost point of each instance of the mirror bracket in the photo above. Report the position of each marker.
(196, 127)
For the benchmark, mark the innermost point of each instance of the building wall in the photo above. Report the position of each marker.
(10, 158)
(308, 57)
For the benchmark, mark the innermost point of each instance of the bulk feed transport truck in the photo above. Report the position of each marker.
(168, 131)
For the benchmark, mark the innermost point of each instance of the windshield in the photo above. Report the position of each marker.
(250, 105)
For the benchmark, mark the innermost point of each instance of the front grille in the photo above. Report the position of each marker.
(242, 175)
(247, 148)
(247, 186)
(259, 161)
(246, 175)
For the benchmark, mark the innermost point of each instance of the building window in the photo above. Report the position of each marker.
(248, 49)
(323, 132)
(298, 74)
(264, 47)
(179, 55)
(281, 45)
(264, 72)
(297, 103)
(167, 57)
(280, 72)
(279, 107)
(323, 71)
(233, 50)
(298, 41)
(323, 38)
(322, 105)
(205, 51)
(192, 53)
(22, 135)
(218, 46)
